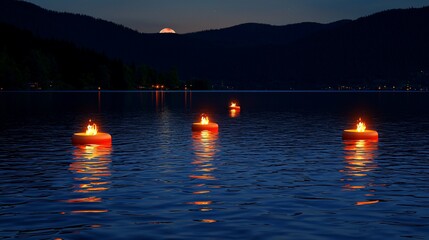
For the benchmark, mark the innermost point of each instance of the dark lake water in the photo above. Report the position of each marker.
(277, 170)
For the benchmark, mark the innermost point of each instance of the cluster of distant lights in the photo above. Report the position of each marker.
(158, 86)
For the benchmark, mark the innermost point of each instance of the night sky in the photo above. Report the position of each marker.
(184, 16)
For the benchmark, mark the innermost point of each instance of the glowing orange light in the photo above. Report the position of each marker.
(205, 124)
(201, 192)
(91, 129)
(204, 120)
(84, 200)
(205, 209)
(208, 221)
(234, 106)
(201, 202)
(204, 177)
(167, 30)
(348, 186)
(90, 211)
(91, 136)
(233, 113)
(360, 126)
(85, 178)
(360, 132)
(367, 202)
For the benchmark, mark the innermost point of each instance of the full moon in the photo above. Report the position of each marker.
(167, 30)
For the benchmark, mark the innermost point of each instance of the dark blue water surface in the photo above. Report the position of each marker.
(277, 170)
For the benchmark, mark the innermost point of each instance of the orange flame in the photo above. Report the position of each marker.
(233, 104)
(91, 129)
(360, 126)
(204, 120)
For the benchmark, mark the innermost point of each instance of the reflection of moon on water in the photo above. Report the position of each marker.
(204, 150)
(91, 167)
(359, 158)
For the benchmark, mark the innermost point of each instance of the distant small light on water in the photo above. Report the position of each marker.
(234, 105)
(167, 30)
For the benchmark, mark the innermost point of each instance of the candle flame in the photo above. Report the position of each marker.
(360, 126)
(204, 120)
(91, 129)
(233, 104)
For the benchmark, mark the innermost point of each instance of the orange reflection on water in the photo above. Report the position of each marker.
(188, 99)
(201, 202)
(205, 177)
(87, 199)
(367, 202)
(205, 148)
(87, 179)
(359, 158)
(159, 99)
(91, 189)
(201, 192)
(233, 113)
(91, 165)
(90, 211)
(208, 220)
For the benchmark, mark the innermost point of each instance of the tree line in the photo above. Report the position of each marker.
(29, 62)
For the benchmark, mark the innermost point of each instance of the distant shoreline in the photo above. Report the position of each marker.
(215, 91)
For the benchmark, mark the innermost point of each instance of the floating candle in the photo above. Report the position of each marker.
(360, 132)
(91, 136)
(205, 124)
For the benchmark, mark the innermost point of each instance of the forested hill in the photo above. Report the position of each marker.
(256, 34)
(28, 62)
(389, 49)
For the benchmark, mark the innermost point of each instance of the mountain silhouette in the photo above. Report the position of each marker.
(384, 49)
(29, 62)
(254, 34)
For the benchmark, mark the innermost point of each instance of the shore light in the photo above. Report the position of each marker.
(360, 133)
(204, 124)
(91, 136)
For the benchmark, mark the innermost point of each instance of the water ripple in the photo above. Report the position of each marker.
(279, 171)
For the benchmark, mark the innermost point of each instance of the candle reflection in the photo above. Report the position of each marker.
(233, 113)
(204, 144)
(91, 168)
(359, 158)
